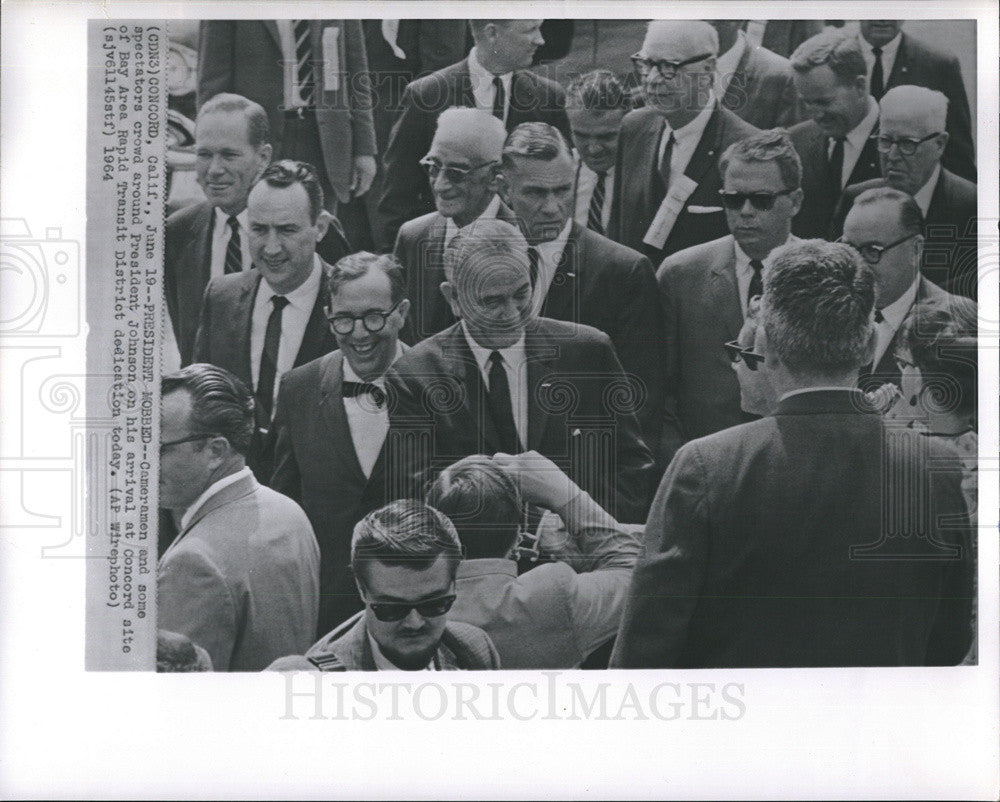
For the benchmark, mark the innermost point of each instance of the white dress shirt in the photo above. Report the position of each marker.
(286, 33)
(926, 192)
(549, 254)
(368, 422)
(893, 316)
(210, 491)
(294, 319)
(489, 213)
(725, 65)
(889, 51)
(855, 141)
(220, 241)
(482, 85)
(586, 182)
(515, 364)
(686, 139)
(744, 272)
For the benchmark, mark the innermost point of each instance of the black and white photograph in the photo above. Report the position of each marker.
(638, 364)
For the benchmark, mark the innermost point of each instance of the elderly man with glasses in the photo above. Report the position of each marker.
(332, 419)
(818, 535)
(241, 579)
(461, 167)
(667, 181)
(405, 557)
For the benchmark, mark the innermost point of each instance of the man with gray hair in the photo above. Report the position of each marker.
(816, 536)
(502, 379)
(461, 166)
(667, 181)
(911, 141)
(405, 556)
(838, 144)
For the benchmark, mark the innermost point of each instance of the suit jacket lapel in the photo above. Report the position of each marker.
(461, 363)
(900, 67)
(703, 158)
(335, 417)
(465, 97)
(867, 165)
(243, 319)
(726, 293)
(736, 95)
(317, 339)
(228, 494)
(272, 28)
(540, 354)
(561, 293)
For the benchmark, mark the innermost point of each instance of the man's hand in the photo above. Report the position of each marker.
(362, 175)
(540, 480)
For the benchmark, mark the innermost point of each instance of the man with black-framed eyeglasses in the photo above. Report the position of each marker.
(241, 579)
(666, 186)
(332, 462)
(404, 557)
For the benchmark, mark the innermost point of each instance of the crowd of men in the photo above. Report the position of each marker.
(619, 373)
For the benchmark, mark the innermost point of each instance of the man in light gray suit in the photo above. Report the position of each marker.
(241, 579)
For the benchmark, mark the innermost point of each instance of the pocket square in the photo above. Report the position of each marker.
(703, 209)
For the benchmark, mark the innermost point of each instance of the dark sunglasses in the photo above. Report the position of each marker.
(455, 175)
(667, 69)
(761, 201)
(737, 352)
(193, 438)
(397, 611)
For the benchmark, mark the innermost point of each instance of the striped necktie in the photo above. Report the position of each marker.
(234, 253)
(596, 212)
(304, 62)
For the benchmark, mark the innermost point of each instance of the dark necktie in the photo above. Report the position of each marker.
(878, 316)
(269, 361)
(533, 257)
(499, 98)
(355, 389)
(668, 153)
(596, 212)
(500, 406)
(877, 88)
(234, 253)
(836, 165)
(867, 369)
(756, 280)
(304, 62)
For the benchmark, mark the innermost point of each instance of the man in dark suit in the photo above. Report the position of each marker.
(706, 290)
(900, 60)
(838, 144)
(311, 77)
(885, 226)
(462, 166)
(260, 323)
(910, 144)
(753, 82)
(404, 557)
(331, 420)
(802, 539)
(502, 380)
(578, 275)
(494, 77)
(210, 239)
(667, 180)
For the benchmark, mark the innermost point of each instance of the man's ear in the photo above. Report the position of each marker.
(796, 198)
(451, 296)
(870, 346)
(502, 186)
(403, 308)
(322, 223)
(494, 181)
(264, 153)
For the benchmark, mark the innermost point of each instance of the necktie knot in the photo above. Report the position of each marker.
(496, 358)
(279, 301)
(879, 317)
(877, 51)
(234, 224)
(756, 287)
(355, 389)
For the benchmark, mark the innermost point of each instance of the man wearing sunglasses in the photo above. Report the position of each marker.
(261, 323)
(818, 535)
(332, 418)
(911, 142)
(241, 579)
(461, 167)
(405, 557)
(885, 226)
(706, 290)
(666, 177)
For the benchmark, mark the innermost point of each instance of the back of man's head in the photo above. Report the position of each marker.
(483, 503)
(484, 242)
(817, 308)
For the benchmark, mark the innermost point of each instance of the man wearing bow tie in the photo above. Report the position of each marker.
(332, 419)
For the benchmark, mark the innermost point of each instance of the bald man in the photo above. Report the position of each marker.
(461, 168)
(666, 196)
(911, 142)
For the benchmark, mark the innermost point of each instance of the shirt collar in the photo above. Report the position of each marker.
(894, 313)
(479, 74)
(512, 355)
(743, 261)
(351, 376)
(490, 212)
(859, 135)
(210, 491)
(888, 49)
(222, 219)
(586, 171)
(550, 251)
(694, 129)
(304, 297)
(923, 195)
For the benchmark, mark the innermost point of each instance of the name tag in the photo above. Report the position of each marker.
(331, 58)
(663, 223)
